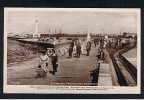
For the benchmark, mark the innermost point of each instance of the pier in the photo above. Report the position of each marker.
(115, 70)
(74, 70)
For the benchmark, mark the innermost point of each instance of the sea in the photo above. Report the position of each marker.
(18, 51)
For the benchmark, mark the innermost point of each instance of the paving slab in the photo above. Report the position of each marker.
(104, 78)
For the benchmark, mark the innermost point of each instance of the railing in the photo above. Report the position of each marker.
(129, 67)
(121, 79)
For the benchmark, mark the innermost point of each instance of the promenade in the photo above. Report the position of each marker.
(70, 70)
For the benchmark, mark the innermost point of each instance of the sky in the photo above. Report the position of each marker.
(71, 21)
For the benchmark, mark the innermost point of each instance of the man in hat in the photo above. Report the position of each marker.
(71, 49)
(88, 47)
(54, 60)
(78, 49)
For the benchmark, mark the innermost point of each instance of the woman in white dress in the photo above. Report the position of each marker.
(83, 48)
(43, 65)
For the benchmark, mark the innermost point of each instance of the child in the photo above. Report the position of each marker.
(44, 60)
(40, 72)
(43, 65)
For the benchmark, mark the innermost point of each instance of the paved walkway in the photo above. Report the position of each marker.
(105, 78)
(73, 70)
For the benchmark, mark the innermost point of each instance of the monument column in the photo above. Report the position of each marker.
(36, 34)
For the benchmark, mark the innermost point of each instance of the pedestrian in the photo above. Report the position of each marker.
(102, 55)
(88, 47)
(98, 54)
(78, 49)
(43, 65)
(105, 44)
(74, 50)
(71, 49)
(96, 42)
(94, 74)
(54, 60)
(40, 72)
(49, 51)
(83, 48)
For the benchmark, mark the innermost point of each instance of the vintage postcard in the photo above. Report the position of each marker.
(72, 50)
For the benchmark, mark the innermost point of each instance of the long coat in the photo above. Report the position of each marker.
(88, 46)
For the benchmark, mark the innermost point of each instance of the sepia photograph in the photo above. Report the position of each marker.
(71, 50)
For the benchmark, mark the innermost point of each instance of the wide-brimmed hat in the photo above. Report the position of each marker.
(50, 48)
(42, 51)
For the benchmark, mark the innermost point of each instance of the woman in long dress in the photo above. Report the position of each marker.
(74, 50)
(43, 65)
(83, 47)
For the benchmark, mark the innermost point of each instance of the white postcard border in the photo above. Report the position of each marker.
(53, 89)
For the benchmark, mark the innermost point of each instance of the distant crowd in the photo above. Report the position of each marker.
(77, 48)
